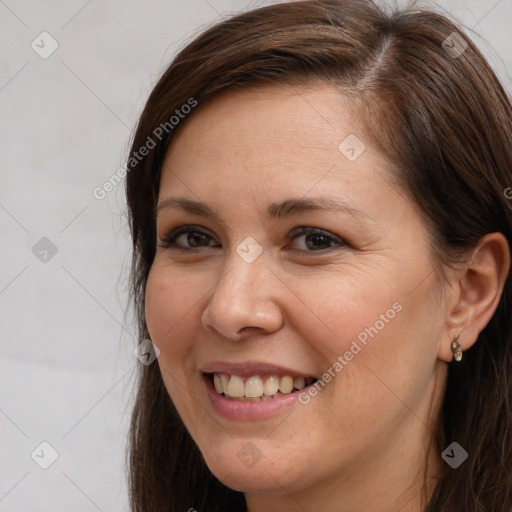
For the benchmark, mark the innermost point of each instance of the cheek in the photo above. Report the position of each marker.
(159, 305)
(374, 340)
(169, 310)
(169, 313)
(348, 314)
(169, 302)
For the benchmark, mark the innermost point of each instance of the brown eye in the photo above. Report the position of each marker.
(186, 237)
(317, 240)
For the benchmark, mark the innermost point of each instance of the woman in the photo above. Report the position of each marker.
(321, 245)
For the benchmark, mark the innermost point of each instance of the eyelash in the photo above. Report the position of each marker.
(168, 242)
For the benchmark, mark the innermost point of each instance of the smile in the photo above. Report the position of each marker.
(257, 388)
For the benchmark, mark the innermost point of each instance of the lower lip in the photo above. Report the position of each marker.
(246, 410)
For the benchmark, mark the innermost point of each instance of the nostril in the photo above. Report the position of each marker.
(245, 329)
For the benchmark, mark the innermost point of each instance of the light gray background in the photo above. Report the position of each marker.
(66, 357)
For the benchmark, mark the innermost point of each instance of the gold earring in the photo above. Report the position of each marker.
(456, 349)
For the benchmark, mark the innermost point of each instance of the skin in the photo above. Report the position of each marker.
(361, 443)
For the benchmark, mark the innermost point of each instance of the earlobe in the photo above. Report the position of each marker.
(479, 287)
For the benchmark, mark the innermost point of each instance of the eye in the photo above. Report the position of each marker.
(191, 235)
(316, 239)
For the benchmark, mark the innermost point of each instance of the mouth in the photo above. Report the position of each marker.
(253, 390)
(256, 388)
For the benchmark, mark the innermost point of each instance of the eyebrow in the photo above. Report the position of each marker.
(277, 210)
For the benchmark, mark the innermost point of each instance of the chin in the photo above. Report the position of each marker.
(240, 467)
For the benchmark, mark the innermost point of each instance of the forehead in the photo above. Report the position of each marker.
(276, 132)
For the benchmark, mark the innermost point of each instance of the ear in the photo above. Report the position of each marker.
(477, 287)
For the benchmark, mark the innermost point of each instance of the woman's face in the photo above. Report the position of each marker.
(278, 287)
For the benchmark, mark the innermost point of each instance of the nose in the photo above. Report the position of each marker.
(244, 300)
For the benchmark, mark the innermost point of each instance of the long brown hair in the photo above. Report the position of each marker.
(442, 118)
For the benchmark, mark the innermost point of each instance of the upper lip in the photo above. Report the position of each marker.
(249, 368)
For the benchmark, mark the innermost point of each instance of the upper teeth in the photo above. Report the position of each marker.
(255, 387)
